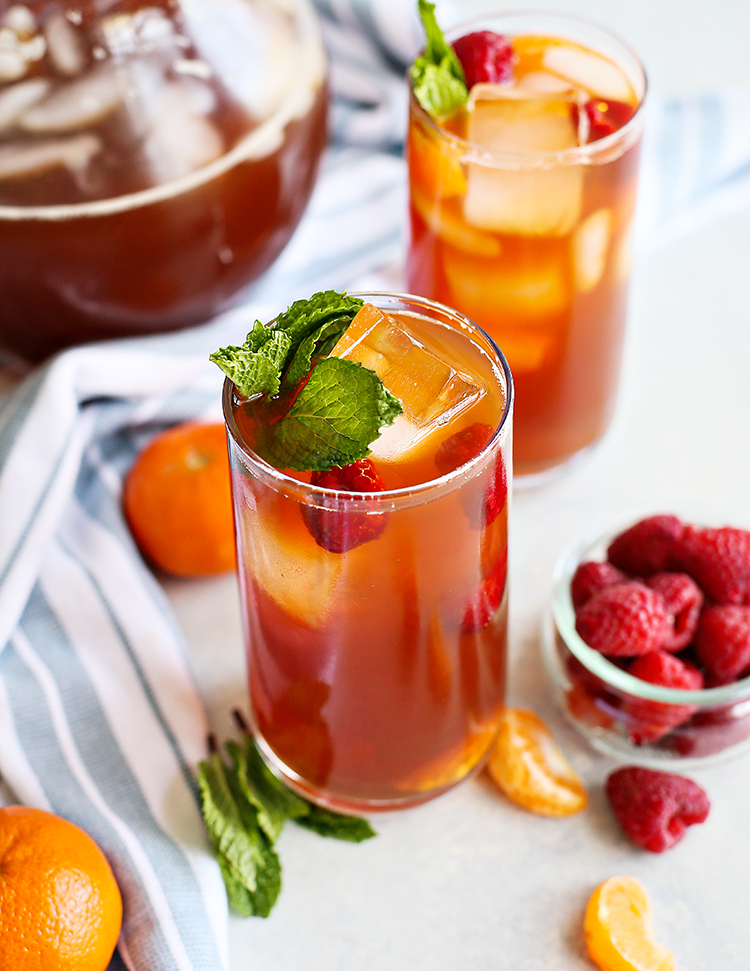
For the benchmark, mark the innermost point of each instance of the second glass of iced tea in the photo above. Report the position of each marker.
(522, 210)
(376, 623)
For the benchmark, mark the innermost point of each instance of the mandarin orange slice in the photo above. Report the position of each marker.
(530, 769)
(618, 932)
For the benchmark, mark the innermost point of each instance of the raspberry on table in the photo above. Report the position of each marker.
(650, 720)
(646, 547)
(333, 526)
(722, 641)
(485, 56)
(719, 562)
(591, 577)
(684, 599)
(655, 808)
(624, 620)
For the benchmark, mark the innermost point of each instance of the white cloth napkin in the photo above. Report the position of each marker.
(100, 720)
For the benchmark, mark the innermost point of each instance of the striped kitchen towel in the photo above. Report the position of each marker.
(99, 717)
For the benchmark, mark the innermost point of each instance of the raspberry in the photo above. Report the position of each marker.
(330, 523)
(624, 620)
(606, 117)
(485, 56)
(459, 449)
(485, 600)
(719, 562)
(722, 641)
(684, 599)
(647, 547)
(590, 578)
(655, 808)
(650, 720)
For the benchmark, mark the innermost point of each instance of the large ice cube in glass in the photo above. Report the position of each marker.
(431, 391)
(520, 196)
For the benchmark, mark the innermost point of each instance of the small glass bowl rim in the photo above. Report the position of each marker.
(563, 618)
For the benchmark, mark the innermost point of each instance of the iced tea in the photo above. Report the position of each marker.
(155, 157)
(376, 622)
(522, 206)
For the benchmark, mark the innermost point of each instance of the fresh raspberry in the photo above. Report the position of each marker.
(485, 56)
(590, 578)
(333, 526)
(606, 117)
(646, 547)
(624, 620)
(655, 808)
(462, 447)
(719, 562)
(684, 600)
(722, 641)
(459, 449)
(485, 600)
(650, 720)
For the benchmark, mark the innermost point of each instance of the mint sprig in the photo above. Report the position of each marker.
(341, 406)
(437, 77)
(245, 808)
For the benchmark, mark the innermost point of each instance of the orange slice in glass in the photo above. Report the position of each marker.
(618, 931)
(530, 769)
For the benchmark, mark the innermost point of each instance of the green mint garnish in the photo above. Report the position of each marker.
(334, 418)
(436, 75)
(341, 408)
(244, 808)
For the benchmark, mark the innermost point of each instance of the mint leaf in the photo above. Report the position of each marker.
(306, 316)
(333, 420)
(248, 862)
(318, 343)
(256, 366)
(273, 801)
(353, 829)
(437, 77)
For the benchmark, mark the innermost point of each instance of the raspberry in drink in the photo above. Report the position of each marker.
(374, 594)
(155, 157)
(522, 196)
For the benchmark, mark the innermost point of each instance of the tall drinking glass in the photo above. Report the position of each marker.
(376, 623)
(522, 212)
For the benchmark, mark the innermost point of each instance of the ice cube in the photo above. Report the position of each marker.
(584, 69)
(180, 139)
(64, 45)
(25, 161)
(20, 20)
(13, 64)
(16, 98)
(76, 105)
(431, 391)
(530, 201)
(590, 246)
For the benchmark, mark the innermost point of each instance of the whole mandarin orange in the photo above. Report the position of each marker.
(178, 504)
(60, 906)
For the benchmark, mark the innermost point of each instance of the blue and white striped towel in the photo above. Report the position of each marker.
(99, 718)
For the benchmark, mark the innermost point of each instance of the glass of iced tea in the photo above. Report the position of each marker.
(374, 595)
(522, 202)
(155, 157)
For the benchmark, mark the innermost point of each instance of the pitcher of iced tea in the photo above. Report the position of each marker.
(155, 157)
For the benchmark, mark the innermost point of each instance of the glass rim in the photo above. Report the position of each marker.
(390, 499)
(309, 76)
(563, 617)
(614, 144)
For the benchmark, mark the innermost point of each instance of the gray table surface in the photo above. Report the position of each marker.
(469, 881)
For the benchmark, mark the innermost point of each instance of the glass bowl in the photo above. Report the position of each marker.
(155, 158)
(621, 715)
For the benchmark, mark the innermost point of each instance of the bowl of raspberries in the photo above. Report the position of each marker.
(648, 638)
